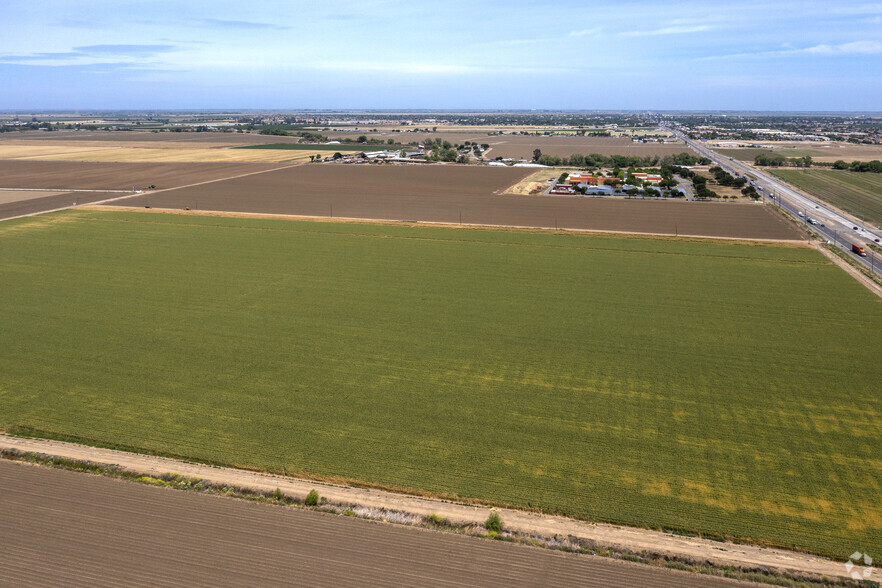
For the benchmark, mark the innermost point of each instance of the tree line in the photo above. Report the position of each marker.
(619, 161)
(777, 160)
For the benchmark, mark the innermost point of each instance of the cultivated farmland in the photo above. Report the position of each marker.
(81, 175)
(656, 382)
(51, 517)
(857, 193)
(467, 194)
(146, 153)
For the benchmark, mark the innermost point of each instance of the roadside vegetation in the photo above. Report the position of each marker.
(681, 394)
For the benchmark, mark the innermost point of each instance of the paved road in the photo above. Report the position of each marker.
(67, 528)
(838, 228)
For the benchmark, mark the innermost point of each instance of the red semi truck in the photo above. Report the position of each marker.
(858, 250)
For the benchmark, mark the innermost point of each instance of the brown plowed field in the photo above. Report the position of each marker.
(80, 175)
(66, 528)
(453, 194)
(21, 207)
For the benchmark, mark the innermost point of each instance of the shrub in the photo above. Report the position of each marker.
(436, 519)
(277, 494)
(312, 498)
(494, 523)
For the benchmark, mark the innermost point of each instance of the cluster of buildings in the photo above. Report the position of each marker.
(588, 179)
(380, 156)
(596, 184)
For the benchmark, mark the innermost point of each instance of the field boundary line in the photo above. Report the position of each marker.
(102, 206)
(253, 173)
(631, 538)
(130, 194)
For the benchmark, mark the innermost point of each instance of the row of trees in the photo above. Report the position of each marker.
(778, 160)
(874, 167)
(621, 161)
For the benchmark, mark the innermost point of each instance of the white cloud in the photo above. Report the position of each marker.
(670, 30)
(852, 48)
(586, 32)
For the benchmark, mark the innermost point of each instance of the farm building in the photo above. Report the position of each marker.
(648, 178)
(563, 189)
(584, 179)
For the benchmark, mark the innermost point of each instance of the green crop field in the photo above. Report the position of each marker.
(709, 386)
(341, 147)
(855, 192)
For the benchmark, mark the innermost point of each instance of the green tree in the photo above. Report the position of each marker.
(537, 153)
(494, 523)
(362, 139)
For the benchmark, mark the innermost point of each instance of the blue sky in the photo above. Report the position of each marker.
(633, 54)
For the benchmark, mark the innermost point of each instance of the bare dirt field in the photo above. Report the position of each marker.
(57, 201)
(69, 175)
(63, 528)
(9, 196)
(461, 194)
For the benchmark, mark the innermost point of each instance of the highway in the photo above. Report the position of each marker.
(832, 224)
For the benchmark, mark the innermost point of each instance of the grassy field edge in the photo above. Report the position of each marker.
(27, 432)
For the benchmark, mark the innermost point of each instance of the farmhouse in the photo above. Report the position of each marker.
(648, 178)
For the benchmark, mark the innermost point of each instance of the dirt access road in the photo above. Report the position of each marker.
(608, 535)
(60, 527)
